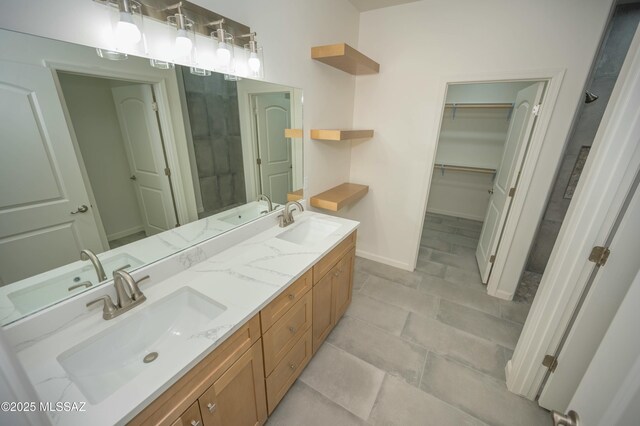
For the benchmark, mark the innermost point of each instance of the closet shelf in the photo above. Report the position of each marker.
(340, 135)
(444, 167)
(345, 58)
(295, 195)
(340, 196)
(292, 133)
(478, 105)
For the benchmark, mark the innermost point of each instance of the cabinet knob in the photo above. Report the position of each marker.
(211, 407)
(195, 423)
(292, 366)
(291, 296)
(292, 330)
(336, 273)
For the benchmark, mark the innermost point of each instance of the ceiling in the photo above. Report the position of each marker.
(364, 5)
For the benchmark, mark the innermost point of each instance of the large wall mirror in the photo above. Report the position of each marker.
(128, 162)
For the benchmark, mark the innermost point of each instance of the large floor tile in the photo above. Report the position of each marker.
(431, 268)
(461, 294)
(383, 315)
(446, 340)
(406, 278)
(379, 348)
(479, 395)
(410, 299)
(359, 278)
(435, 242)
(305, 406)
(457, 261)
(457, 239)
(400, 404)
(345, 379)
(464, 276)
(502, 332)
(513, 311)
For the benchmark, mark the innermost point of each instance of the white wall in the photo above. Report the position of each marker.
(485, 92)
(286, 28)
(422, 45)
(460, 194)
(95, 122)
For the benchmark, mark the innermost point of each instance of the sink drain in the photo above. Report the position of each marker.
(150, 357)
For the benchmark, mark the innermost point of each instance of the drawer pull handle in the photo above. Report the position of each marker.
(211, 407)
(292, 366)
(292, 330)
(195, 423)
(291, 296)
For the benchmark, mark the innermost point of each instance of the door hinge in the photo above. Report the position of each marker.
(536, 110)
(599, 255)
(551, 362)
(154, 106)
(258, 161)
(167, 171)
(492, 258)
(512, 192)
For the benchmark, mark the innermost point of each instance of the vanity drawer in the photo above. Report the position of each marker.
(281, 304)
(279, 339)
(191, 417)
(288, 370)
(325, 264)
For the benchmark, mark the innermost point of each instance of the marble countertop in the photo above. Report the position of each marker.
(244, 278)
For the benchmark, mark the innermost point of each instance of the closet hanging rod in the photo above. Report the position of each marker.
(478, 105)
(464, 169)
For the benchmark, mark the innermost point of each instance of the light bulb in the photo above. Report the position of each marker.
(183, 43)
(224, 54)
(127, 32)
(254, 62)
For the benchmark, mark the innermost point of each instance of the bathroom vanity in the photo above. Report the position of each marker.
(218, 343)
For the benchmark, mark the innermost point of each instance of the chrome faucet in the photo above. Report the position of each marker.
(268, 200)
(286, 217)
(128, 295)
(89, 255)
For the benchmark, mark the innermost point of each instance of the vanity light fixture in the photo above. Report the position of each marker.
(126, 31)
(224, 45)
(185, 34)
(254, 56)
(202, 72)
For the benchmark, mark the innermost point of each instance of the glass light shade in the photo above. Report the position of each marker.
(184, 38)
(126, 27)
(127, 32)
(162, 65)
(183, 43)
(200, 71)
(224, 52)
(255, 62)
(111, 55)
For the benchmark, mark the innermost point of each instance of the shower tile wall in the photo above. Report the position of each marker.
(212, 104)
(611, 57)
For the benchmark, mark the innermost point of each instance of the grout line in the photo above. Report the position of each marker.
(424, 365)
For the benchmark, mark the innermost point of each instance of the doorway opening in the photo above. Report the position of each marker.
(120, 146)
(482, 146)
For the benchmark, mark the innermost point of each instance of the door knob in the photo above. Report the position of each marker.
(133, 177)
(81, 209)
(569, 419)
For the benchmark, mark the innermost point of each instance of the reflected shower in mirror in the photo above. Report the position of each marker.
(126, 164)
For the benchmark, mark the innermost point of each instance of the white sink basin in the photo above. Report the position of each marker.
(310, 231)
(102, 364)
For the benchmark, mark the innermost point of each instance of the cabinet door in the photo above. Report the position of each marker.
(238, 396)
(191, 417)
(342, 285)
(322, 309)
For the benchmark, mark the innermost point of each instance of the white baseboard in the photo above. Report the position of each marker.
(456, 214)
(382, 259)
(501, 294)
(125, 233)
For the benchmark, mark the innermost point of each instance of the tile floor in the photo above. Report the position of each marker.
(417, 348)
(127, 240)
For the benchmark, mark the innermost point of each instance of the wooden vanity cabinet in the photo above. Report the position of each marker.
(191, 417)
(332, 296)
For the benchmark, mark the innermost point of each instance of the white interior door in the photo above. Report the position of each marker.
(273, 115)
(143, 145)
(515, 148)
(608, 289)
(609, 392)
(40, 179)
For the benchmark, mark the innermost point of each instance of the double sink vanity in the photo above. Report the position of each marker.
(218, 343)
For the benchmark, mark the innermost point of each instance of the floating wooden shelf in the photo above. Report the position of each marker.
(340, 135)
(295, 195)
(345, 58)
(339, 196)
(292, 133)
